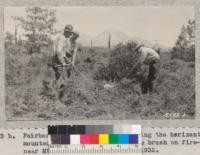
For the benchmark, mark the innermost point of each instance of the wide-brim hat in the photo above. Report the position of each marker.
(76, 33)
(68, 28)
(138, 47)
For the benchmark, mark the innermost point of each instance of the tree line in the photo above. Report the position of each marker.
(185, 44)
(39, 26)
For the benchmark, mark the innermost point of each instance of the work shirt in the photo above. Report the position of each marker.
(62, 48)
(148, 54)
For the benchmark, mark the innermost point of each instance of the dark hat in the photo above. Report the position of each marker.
(138, 47)
(68, 28)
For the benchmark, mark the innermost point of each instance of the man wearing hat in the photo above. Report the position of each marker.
(63, 46)
(150, 58)
(63, 51)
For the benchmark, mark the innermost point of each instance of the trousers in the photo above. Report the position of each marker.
(147, 84)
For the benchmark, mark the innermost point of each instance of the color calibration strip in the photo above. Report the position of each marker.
(94, 134)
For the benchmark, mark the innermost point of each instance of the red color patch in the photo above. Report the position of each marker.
(94, 139)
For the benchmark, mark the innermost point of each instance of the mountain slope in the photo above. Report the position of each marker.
(101, 40)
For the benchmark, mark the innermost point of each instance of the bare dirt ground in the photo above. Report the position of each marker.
(31, 94)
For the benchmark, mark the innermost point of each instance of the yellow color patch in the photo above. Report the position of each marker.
(103, 139)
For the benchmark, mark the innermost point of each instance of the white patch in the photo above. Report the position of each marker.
(108, 86)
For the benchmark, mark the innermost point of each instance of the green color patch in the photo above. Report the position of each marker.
(113, 139)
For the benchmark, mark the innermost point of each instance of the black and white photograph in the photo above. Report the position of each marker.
(99, 63)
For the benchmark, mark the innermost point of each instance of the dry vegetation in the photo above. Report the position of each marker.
(31, 94)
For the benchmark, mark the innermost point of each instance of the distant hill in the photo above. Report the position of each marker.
(85, 40)
(101, 40)
(116, 37)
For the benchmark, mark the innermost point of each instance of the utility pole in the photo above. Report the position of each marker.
(91, 44)
(109, 41)
(15, 34)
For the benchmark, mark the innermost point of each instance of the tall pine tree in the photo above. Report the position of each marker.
(185, 44)
(38, 26)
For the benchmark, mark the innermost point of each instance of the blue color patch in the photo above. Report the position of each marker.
(123, 139)
(133, 139)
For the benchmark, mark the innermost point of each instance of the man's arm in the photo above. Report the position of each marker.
(60, 51)
(74, 54)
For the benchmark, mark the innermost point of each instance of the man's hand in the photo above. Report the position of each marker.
(67, 60)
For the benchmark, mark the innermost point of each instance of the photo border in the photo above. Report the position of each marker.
(67, 3)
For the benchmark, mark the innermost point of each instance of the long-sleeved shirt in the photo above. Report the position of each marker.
(148, 54)
(62, 46)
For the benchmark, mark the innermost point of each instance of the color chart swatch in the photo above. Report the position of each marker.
(94, 134)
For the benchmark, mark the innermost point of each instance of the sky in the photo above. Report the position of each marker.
(158, 23)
